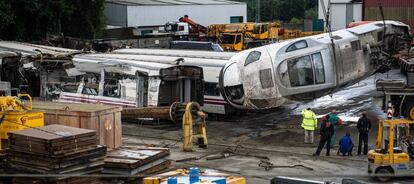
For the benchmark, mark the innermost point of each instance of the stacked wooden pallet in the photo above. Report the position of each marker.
(128, 161)
(56, 150)
(2, 162)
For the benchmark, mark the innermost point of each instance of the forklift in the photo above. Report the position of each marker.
(394, 153)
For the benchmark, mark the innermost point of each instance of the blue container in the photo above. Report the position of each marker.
(194, 173)
(220, 181)
(172, 180)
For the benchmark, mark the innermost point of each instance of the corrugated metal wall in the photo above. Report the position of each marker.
(400, 10)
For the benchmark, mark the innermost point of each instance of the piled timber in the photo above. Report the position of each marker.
(56, 150)
(2, 162)
(128, 161)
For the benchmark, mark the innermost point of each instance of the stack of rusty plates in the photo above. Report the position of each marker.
(56, 150)
(136, 160)
(2, 161)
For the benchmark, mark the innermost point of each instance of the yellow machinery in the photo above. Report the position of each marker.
(193, 116)
(241, 36)
(182, 176)
(17, 116)
(391, 156)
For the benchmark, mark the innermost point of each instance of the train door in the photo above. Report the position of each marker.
(142, 90)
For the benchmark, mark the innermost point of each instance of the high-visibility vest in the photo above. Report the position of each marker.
(309, 121)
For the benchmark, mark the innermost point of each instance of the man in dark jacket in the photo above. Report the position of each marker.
(346, 145)
(326, 132)
(364, 125)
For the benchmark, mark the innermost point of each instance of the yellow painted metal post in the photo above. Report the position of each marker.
(379, 137)
(391, 144)
(188, 129)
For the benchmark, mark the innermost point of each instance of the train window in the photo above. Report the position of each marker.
(297, 45)
(336, 37)
(266, 78)
(319, 69)
(379, 35)
(252, 57)
(300, 71)
(356, 45)
(211, 89)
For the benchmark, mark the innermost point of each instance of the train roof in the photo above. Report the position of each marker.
(94, 63)
(178, 53)
(150, 64)
(27, 49)
(338, 35)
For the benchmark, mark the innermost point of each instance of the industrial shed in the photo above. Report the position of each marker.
(134, 13)
(401, 10)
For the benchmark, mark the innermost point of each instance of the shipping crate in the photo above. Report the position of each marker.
(106, 120)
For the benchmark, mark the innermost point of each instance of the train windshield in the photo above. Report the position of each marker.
(302, 71)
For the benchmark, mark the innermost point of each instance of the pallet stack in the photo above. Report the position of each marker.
(130, 161)
(2, 162)
(56, 150)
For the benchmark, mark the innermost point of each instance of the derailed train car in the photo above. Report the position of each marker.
(210, 62)
(148, 77)
(309, 67)
(129, 81)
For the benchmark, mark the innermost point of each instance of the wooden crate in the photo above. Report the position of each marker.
(106, 120)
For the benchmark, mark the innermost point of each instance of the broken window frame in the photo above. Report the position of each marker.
(302, 71)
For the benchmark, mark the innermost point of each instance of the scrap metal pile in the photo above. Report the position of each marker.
(55, 150)
(135, 160)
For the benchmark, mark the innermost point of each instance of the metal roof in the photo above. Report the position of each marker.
(27, 49)
(171, 2)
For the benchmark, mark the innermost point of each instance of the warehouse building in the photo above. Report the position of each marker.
(343, 12)
(400, 10)
(134, 13)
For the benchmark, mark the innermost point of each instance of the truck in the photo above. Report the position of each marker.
(399, 94)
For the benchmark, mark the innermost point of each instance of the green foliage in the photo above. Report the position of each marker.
(32, 20)
(295, 20)
(311, 13)
(6, 15)
(282, 10)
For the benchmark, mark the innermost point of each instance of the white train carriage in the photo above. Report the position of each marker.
(309, 67)
(146, 69)
(211, 62)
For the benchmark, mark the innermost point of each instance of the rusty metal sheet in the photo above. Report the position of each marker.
(52, 133)
(132, 160)
(57, 162)
(157, 165)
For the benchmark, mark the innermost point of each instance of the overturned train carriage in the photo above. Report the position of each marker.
(211, 62)
(309, 67)
(31, 68)
(131, 82)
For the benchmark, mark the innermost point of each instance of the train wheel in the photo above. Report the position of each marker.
(409, 110)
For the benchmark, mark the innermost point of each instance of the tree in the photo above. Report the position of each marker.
(6, 15)
(32, 20)
(280, 10)
(311, 13)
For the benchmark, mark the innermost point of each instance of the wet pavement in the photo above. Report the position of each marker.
(276, 134)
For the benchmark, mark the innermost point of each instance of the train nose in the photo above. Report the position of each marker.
(231, 87)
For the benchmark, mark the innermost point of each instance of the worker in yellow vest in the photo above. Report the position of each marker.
(309, 123)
